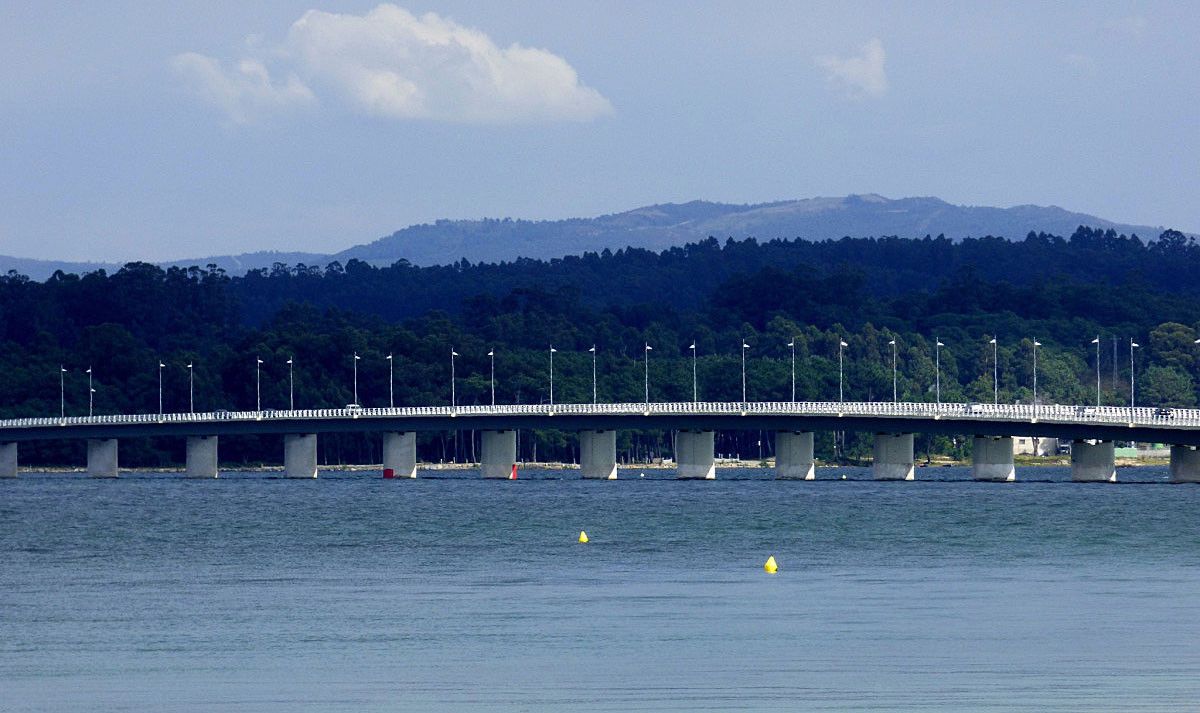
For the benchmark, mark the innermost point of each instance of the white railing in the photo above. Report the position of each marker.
(1102, 415)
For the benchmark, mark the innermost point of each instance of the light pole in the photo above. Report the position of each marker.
(1096, 341)
(291, 387)
(392, 384)
(646, 362)
(1132, 345)
(160, 399)
(62, 392)
(453, 399)
(745, 346)
(995, 372)
(792, 346)
(356, 358)
(894, 391)
(841, 372)
(552, 350)
(593, 351)
(91, 391)
(937, 369)
(258, 362)
(492, 358)
(191, 388)
(695, 386)
(1037, 344)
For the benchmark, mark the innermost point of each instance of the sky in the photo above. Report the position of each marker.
(150, 130)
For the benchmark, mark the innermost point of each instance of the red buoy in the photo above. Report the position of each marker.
(514, 473)
(389, 473)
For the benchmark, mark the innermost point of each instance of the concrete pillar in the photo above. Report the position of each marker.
(201, 457)
(400, 453)
(992, 459)
(102, 457)
(893, 457)
(8, 460)
(1185, 464)
(1092, 462)
(794, 455)
(499, 453)
(694, 455)
(598, 454)
(300, 455)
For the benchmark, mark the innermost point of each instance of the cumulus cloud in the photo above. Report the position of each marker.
(861, 75)
(244, 92)
(393, 64)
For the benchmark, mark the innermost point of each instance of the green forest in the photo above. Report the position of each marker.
(1063, 292)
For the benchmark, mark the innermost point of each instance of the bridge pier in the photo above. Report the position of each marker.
(201, 457)
(694, 455)
(1185, 464)
(992, 459)
(499, 453)
(300, 455)
(1093, 462)
(8, 460)
(794, 455)
(400, 453)
(893, 457)
(598, 454)
(102, 457)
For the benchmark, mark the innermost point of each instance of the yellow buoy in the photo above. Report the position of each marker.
(582, 536)
(770, 566)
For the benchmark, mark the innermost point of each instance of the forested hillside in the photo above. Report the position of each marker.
(1062, 291)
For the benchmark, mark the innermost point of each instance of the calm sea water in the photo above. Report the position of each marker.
(352, 593)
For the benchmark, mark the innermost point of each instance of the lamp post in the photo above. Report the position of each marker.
(995, 372)
(356, 358)
(392, 383)
(492, 358)
(258, 362)
(745, 346)
(1096, 341)
(894, 390)
(792, 346)
(291, 387)
(160, 399)
(1036, 344)
(593, 351)
(91, 391)
(646, 362)
(62, 392)
(1132, 345)
(552, 350)
(453, 398)
(191, 387)
(937, 369)
(695, 388)
(841, 372)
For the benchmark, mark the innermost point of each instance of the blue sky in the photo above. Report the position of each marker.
(170, 130)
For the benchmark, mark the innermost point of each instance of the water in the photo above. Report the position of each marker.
(352, 593)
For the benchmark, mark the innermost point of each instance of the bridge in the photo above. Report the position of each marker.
(1092, 431)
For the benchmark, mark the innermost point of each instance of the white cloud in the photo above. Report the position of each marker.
(393, 64)
(244, 92)
(862, 75)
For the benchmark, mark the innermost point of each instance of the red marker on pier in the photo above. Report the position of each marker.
(514, 472)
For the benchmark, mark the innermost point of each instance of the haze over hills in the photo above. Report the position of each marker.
(659, 227)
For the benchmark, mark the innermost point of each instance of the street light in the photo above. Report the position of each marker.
(453, 398)
(937, 369)
(552, 350)
(62, 392)
(291, 387)
(90, 391)
(1096, 341)
(1037, 344)
(995, 372)
(160, 399)
(792, 346)
(841, 372)
(492, 357)
(593, 351)
(392, 384)
(191, 388)
(894, 399)
(695, 389)
(1132, 345)
(356, 358)
(646, 361)
(745, 346)
(258, 362)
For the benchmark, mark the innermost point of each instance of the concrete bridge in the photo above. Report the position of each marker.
(1092, 431)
